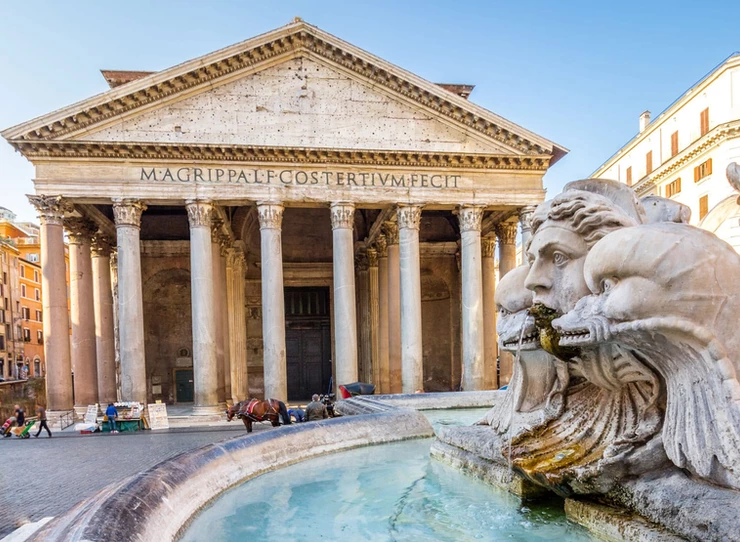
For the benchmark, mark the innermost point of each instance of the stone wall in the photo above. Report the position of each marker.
(168, 326)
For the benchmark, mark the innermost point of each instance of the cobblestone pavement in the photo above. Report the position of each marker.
(46, 477)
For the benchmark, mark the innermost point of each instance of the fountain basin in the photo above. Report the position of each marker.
(157, 504)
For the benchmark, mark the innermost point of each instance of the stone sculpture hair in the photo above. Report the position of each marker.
(590, 215)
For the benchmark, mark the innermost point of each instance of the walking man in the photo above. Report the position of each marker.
(112, 414)
(42, 422)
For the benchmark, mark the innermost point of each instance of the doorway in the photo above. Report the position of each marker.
(307, 341)
(184, 386)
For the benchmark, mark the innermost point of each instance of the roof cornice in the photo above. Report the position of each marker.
(106, 150)
(731, 62)
(291, 40)
(710, 140)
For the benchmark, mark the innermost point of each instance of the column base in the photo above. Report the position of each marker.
(214, 410)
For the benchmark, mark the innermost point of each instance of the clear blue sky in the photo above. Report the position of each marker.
(578, 73)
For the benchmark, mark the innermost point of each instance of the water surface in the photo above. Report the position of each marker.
(387, 492)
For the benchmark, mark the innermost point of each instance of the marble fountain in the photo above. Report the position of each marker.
(624, 404)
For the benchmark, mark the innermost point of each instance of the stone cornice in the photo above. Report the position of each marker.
(298, 39)
(710, 140)
(105, 150)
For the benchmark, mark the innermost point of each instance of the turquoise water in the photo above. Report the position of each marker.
(387, 492)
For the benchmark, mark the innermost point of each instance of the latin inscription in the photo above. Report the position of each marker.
(287, 177)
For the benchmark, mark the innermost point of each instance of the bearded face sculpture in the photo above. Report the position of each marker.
(535, 393)
(670, 293)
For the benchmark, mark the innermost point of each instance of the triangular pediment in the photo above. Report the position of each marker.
(299, 102)
(296, 86)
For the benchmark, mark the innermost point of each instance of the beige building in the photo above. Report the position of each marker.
(271, 215)
(684, 152)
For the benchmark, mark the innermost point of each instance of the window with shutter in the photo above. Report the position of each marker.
(673, 188)
(703, 206)
(629, 176)
(674, 144)
(703, 170)
(704, 121)
(649, 163)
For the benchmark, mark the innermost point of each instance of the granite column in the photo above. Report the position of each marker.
(394, 308)
(490, 339)
(273, 300)
(506, 232)
(373, 307)
(345, 316)
(205, 364)
(383, 359)
(105, 348)
(127, 214)
(412, 362)
(470, 217)
(54, 303)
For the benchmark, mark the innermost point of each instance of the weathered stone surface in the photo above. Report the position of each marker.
(286, 104)
(670, 293)
(157, 504)
(696, 510)
(615, 525)
(492, 473)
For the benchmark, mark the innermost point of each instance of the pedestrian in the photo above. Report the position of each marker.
(112, 414)
(42, 422)
(20, 416)
(316, 410)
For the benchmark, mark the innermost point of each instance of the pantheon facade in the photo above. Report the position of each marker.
(282, 213)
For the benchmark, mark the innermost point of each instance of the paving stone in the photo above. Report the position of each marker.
(46, 477)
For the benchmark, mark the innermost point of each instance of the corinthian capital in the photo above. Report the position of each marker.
(381, 244)
(470, 217)
(342, 215)
(127, 212)
(488, 246)
(81, 230)
(372, 257)
(200, 213)
(409, 216)
(102, 246)
(270, 215)
(51, 209)
(506, 232)
(390, 229)
(525, 217)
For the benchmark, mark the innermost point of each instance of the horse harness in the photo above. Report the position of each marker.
(248, 412)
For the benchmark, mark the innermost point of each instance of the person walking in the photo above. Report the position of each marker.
(112, 414)
(42, 422)
(20, 416)
(315, 410)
